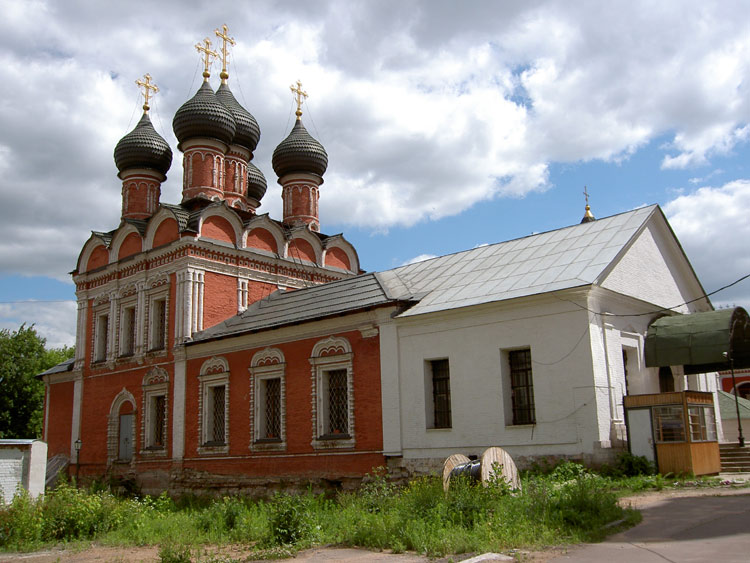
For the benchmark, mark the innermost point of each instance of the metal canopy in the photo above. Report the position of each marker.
(701, 342)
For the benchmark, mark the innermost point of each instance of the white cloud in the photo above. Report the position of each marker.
(425, 108)
(54, 321)
(712, 225)
(420, 258)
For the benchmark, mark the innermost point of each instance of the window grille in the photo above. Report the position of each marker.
(273, 408)
(521, 387)
(441, 393)
(338, 402)
(218, 415)
(160, 412)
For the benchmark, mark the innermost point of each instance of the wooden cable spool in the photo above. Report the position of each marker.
(493, 460)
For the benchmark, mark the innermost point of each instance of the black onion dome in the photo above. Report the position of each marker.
(256, 182)
(204, 116)
(299, 152)
(143, 147)
(248, 132)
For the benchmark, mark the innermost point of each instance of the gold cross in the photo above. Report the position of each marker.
(207, 54)
(224, 52)
(148, 87)
(586, 193)
(299, 95)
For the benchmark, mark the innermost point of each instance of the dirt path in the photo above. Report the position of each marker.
(100, 554)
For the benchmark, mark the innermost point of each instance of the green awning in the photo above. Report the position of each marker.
(699, 341)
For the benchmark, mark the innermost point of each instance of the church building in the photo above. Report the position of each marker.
(220, 349)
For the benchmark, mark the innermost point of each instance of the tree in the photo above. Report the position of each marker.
(22, 356)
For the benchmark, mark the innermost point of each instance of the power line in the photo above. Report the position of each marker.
(38, 301)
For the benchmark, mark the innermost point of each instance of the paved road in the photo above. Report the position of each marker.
(686, 529)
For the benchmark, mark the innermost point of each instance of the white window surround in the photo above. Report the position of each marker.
(101, 349)
(113, 423)
(154, 295)
(266, 365)
(214, 373)
(330, 354)
(155, 384)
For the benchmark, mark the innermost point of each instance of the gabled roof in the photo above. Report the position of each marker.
(62, 367)
(561, 259)
(312, 303)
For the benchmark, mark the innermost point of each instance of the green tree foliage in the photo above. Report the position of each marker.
(22, 356)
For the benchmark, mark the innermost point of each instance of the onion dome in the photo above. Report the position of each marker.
(143, 147)
(588, 216)
(247, 133)
(299, 152)
(204, 116)
(256, 182)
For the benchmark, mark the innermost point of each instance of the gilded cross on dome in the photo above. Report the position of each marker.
(206, 56)
(148, 89)
(586, 193)
(224, 36)
(299, 95)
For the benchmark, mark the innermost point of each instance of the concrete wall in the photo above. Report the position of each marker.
(22, 463)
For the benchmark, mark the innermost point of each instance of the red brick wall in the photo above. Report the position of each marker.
(59, 425)
(298, 383)
(99, 257)
(300, 249)
(166, 232)
(218, 228)
(337, 258)
(132, 244)
(219, 298)
(261, 239)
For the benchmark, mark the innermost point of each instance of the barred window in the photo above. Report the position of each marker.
(272, 418)
(216, 416)
(441, 393)
(159, 418)
(338, 403)
(521, 387)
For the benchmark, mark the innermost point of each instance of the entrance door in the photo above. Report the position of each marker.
(641, 434)
(125, 448)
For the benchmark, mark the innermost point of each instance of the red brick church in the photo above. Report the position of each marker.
(143, 396)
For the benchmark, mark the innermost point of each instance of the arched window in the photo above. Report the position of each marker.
(121, 428)
(333, 394)
(154, 430)
(267, 401)
(213, 406)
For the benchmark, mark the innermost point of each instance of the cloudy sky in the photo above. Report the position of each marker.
(448, 124)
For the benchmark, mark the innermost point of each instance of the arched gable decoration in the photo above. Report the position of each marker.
(265, 223)
(310, 238)
(113, 423)
(331, 346)
(155, 376)
(164, 214)
(267, 357)
(340, 243)
(96, 240)
(213, 365)
(223, 211)
(119, 237)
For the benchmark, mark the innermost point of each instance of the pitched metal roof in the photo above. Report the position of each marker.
(560, 259)
(312, 303)
(62, 367)
(728, 408)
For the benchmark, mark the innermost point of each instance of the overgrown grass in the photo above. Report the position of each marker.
(567, 504)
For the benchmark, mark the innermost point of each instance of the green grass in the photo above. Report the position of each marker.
(566, 504)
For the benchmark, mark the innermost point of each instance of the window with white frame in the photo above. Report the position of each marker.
(155, 387)
(127, 330)
(158, 323)
(267, 403)
(101, 340)
(214, 406)
(333, 394)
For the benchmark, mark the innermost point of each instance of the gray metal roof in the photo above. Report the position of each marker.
(312, 303)
(561, 259)
(555, 260)
(62, 367)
